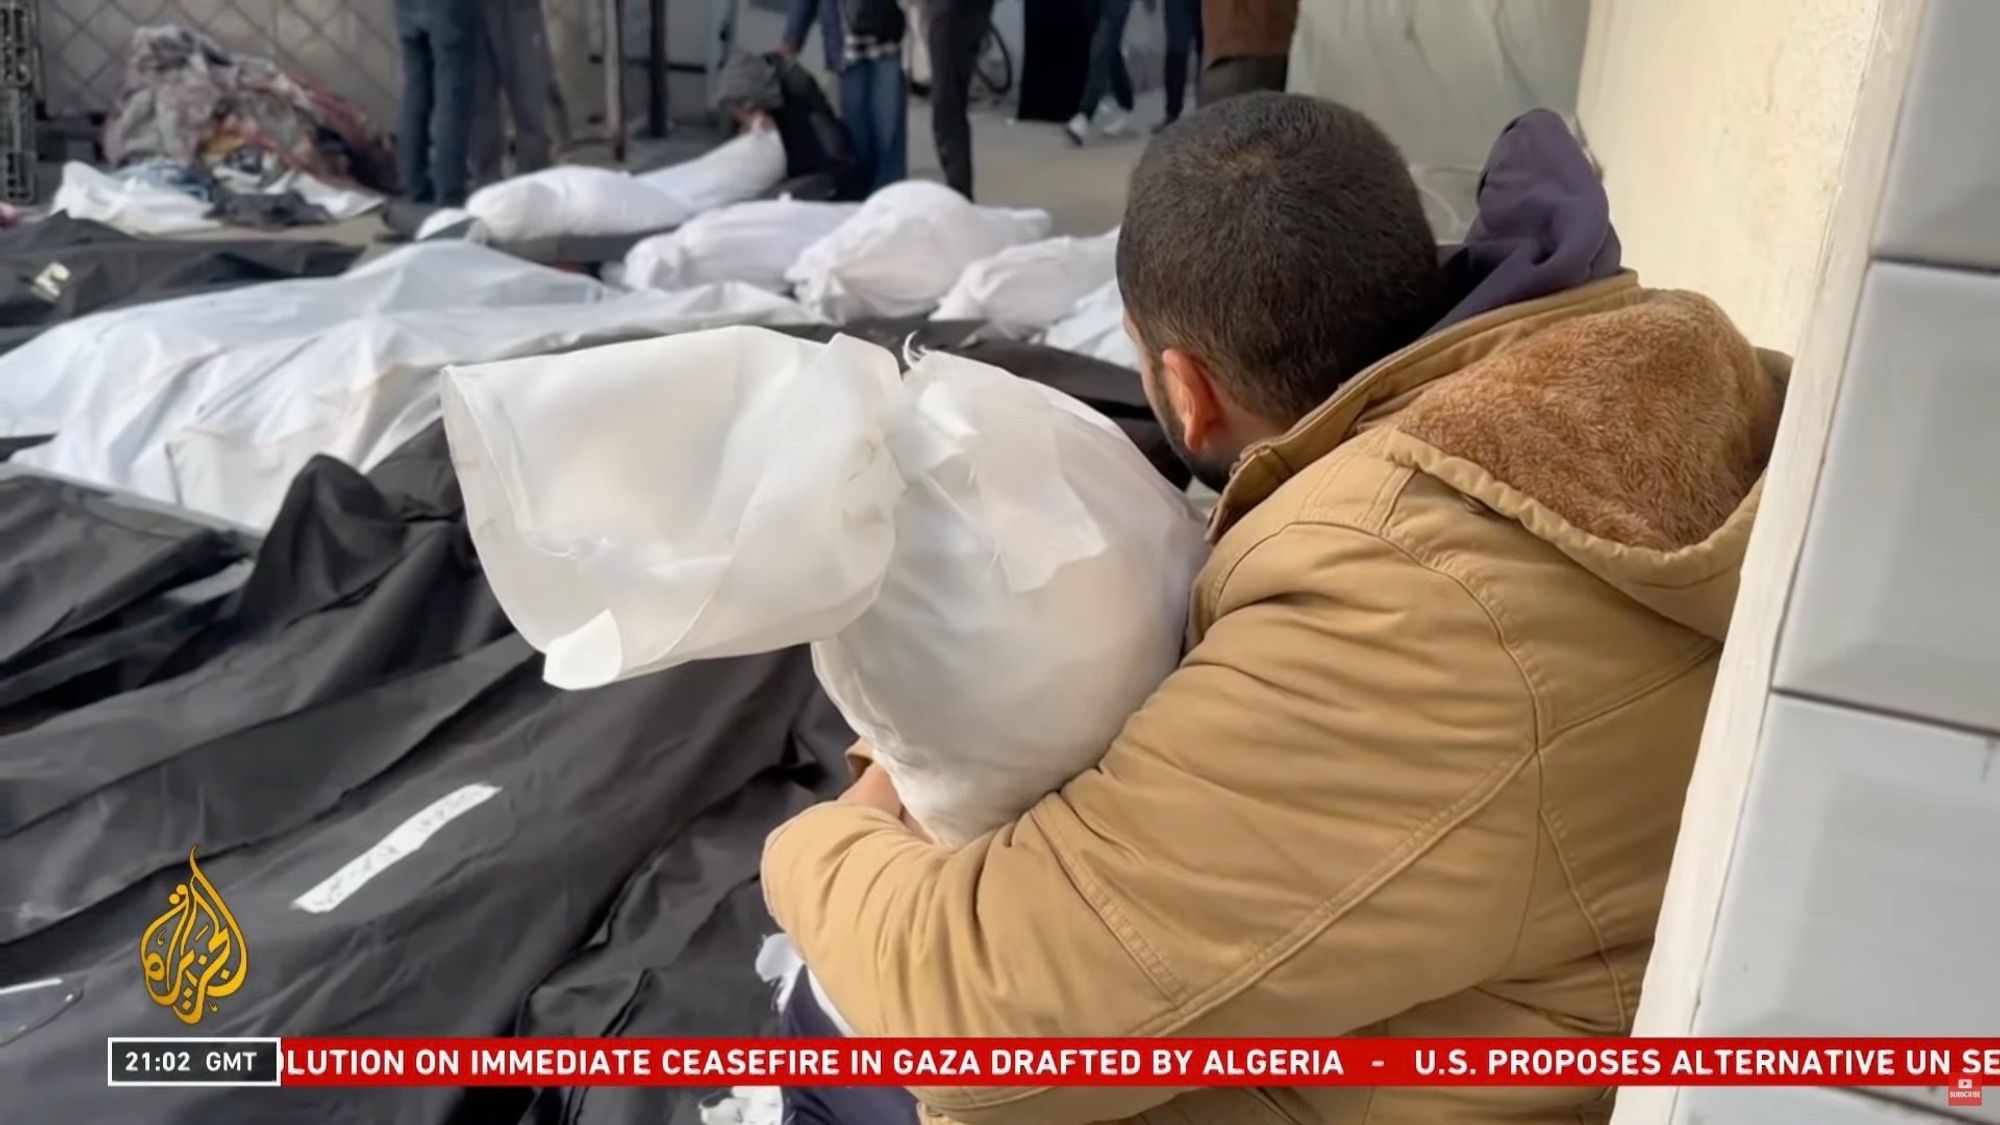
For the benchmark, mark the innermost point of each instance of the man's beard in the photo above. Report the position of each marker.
(1210, 473)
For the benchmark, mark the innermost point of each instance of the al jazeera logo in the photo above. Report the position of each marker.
(194, 954)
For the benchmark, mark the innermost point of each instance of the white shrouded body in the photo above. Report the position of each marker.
(1096, 328)
(992, 577)
(1025, 289)
(904, 250)
(753, 242)
(572, 200)
(576, 200)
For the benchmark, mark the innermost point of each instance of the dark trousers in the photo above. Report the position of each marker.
(440, 41)
(836, 1105)
(875, 104)
(954, 32)
(1107, 58)
(1226, 78)
(515, 62)
(1183, 42)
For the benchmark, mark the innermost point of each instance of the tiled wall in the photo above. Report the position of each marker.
(1864, 894)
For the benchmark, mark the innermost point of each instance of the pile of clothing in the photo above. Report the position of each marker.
(191, 100)
(234, 136)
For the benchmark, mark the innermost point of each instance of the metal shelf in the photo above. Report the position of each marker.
(20, 83)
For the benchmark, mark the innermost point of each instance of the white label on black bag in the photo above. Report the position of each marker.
(406, 839)
(48, 285)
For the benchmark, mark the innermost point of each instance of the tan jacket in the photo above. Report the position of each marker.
(1420, 772)
(1233, 29)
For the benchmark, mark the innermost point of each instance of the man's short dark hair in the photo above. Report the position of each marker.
(1280, 239)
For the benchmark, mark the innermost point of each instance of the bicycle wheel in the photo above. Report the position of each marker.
(995, 66)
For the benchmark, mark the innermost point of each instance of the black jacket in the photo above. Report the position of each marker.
(816, 143)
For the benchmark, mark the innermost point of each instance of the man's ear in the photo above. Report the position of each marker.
(1197, 401)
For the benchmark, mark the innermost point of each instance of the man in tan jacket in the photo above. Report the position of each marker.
(1421, 769)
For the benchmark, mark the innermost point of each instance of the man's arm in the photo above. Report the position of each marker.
(799, 17)
(1326, 816)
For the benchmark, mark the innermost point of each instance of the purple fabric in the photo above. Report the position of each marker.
(1544, 222)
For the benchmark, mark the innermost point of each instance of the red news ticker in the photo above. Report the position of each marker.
(1138, 1062)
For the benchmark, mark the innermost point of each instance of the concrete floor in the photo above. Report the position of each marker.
(1032, 164)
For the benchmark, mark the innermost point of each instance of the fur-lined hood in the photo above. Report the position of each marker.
(1629, 428)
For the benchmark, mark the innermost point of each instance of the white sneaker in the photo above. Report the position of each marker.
(1116, 124)
(1078, 129)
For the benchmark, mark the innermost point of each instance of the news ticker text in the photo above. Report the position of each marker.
(1051, 1062)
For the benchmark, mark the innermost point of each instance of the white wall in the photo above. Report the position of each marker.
(1720, 123)
(1442, 77)
(1721, 126)
(1830, 877)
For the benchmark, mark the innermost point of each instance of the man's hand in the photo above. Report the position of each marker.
(875, 790)
(788, 50)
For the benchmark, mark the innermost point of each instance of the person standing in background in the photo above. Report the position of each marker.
(1183, 43)
(1247, 45)
(954, 30)
(440, 41)
(864, 45)
(1107, 72)
(513, 60)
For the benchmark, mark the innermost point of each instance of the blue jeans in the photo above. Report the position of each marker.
(441, 42)
(1107, 59)
(514, 59)
(1183, 42)
(875, 104)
